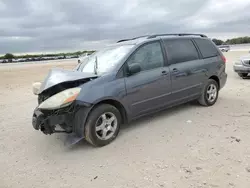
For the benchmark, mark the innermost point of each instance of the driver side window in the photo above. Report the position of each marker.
(149, 56)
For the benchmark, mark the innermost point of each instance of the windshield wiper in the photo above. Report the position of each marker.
(96, 65)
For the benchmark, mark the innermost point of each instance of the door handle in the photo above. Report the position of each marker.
(175, 70)
(164, 72)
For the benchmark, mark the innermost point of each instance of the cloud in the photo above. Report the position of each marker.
(69, 25)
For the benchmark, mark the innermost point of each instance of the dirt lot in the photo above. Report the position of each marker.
(187, 146)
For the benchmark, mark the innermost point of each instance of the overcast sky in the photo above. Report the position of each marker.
(69, 25)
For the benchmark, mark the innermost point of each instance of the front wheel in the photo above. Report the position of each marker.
(209, 94)
(242, 75)
(103, 125)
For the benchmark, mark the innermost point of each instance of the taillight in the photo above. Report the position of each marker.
(223, 58)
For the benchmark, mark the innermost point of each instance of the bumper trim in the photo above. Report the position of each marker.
(72, 139)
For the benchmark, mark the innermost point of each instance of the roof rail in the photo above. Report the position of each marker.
(123, 40)
(161, 35)
(176, 34)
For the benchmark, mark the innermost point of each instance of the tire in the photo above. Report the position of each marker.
(204, 98)
(242, 75)
(95, 118)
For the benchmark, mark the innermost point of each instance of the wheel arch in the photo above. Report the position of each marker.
(215, 78)
(117, 105)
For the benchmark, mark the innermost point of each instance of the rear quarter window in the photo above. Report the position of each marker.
(207, 48)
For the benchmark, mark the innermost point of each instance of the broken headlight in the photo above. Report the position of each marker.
(61, 99)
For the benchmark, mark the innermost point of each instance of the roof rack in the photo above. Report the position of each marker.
(161, 35)
(177, 34)
(123, 40)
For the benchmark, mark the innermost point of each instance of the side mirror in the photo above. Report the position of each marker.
(134, 68)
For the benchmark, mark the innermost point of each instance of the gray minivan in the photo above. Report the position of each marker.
(127, 80)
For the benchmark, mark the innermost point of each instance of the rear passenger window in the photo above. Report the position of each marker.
(206, 47)
(180, 50)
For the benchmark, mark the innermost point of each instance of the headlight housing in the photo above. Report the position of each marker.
(61, 99)
(238, 62)
(36, 87)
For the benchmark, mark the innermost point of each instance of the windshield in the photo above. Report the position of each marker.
(104, 60)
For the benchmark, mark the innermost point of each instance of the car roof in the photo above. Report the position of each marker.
(142, 39)
(147, 38)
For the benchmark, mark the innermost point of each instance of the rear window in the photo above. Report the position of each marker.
(207, 48)
(180, 50)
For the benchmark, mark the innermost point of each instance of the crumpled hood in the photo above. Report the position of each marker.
(57, 76)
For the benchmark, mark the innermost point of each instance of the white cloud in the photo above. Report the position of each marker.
(62, 25)
(216, 12)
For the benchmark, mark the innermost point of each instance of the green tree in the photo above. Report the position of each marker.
(239, 40)
(9, 57)
(218, 41)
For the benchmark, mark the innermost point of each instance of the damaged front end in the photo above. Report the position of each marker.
(57, 95)
(54, 121)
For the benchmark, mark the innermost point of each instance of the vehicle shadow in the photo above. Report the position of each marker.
(160, 114)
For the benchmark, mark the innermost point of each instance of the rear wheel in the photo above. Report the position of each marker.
(209, 94)
(103, 125)
(243, 74)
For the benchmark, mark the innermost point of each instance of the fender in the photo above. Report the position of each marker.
(106, 87)
(103, 88)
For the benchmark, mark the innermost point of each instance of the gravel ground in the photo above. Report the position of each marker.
(186, 146)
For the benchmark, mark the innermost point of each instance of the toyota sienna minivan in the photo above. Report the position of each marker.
(127, 80)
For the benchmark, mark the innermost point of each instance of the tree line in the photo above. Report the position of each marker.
(8, 57)
(238, 40)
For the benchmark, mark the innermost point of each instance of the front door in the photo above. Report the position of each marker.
(151, 87)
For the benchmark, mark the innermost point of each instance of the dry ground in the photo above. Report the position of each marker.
(187, 146)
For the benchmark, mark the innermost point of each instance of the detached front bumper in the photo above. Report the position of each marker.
(241, 69)
(48, 121)
(70, 119)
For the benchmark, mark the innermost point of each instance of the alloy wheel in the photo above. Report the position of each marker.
(106, 126)
(211, 93)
